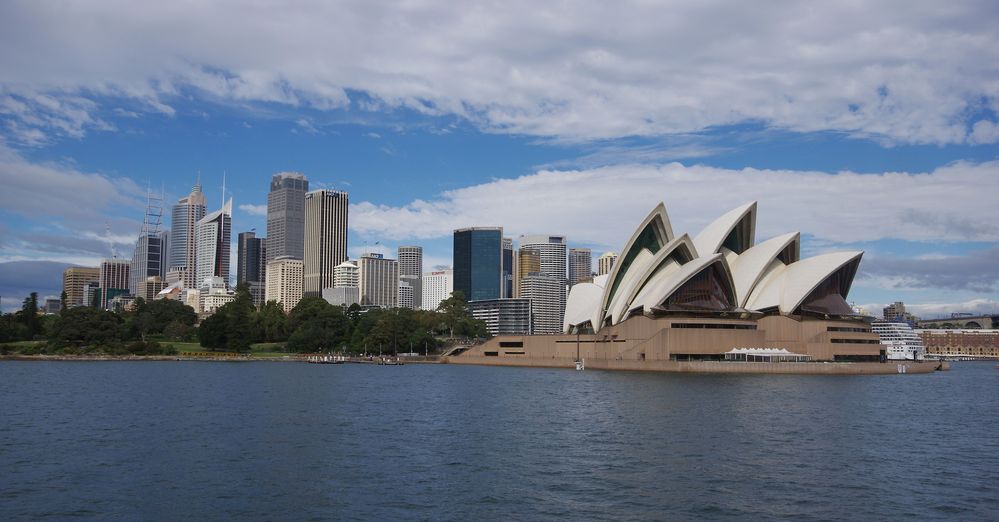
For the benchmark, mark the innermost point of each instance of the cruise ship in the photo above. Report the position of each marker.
(901, 342)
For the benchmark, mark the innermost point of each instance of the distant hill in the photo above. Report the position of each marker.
(20, 278)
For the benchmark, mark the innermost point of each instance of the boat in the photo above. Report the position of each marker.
(900, 341)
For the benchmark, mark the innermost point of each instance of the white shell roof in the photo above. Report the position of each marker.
(750, 267)
(711, 238)
(757, 277)
(786, 288)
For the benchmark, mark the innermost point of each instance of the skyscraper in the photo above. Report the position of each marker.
(251, 263)
(478, 262)
(286, 216)
(378, 279)
(284, 282)
(183, 241)
(114, 280)
(437, 286)
(605, 262)
(528, 262)
(73, 281)
(411, 275)
(147, 258)
(546, 288)
(325, 238)
(580, 266)
(507, 268)
(214, 233)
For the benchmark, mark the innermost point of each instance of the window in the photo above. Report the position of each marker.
(511, 344)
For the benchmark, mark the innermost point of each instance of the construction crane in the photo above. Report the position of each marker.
(107, 233)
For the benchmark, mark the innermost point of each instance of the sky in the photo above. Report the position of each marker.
(863, 125)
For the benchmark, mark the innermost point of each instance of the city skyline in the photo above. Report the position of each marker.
(872, 143)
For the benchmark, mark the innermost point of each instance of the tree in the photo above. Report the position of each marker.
(85, 326)
(316, 325)
(62, 302)
(28, 316)
(271, 323)
(454, 312)
(231, 326)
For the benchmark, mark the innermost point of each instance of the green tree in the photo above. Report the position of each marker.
(231, 326)
(62, 302)
(271, 323)
(85, 326)
(316, 325)
(28, 316)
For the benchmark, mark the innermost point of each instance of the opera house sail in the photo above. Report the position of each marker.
(673, 299)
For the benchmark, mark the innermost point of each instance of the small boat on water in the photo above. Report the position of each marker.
(387, 361)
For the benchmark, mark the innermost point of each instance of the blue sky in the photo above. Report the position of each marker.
(864, 126)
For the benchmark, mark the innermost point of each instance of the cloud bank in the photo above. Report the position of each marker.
(601, 206)
(895, 71)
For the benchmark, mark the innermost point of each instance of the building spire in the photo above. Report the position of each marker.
(197, 185)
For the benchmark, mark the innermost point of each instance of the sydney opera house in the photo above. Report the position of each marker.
(680, 303)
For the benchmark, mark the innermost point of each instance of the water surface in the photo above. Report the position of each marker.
(201, 440)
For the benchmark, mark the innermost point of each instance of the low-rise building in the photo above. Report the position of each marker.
(961, 343)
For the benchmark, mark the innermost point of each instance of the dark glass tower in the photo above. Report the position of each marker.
(478, 262)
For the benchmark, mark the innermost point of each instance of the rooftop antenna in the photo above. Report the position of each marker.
(223, 188)
(153, 218)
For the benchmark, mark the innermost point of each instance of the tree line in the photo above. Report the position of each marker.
(312, 326)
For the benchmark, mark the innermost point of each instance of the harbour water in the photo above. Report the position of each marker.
(200, 440)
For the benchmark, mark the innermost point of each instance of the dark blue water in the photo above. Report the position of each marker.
(173, 440)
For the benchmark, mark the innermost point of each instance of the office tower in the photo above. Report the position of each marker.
(325, 238)
(547, 295)
(580, 266)
(411, 273)
(411, 261)
(114, 280)
(507, 268)
(183, 235)
(478, 262)
(286, 216)
(284, 282)
(437, 286)
(214, 233)
(605, 263)
(546, 288)
(251, 261)
(405, 294)
(378, 279)
(528, 262)
(164, 254)
(345, 275)
(503, 316)
(147, 257)
(73, 281)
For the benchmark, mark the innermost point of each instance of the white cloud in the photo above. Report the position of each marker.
(910, 72)
(601, 206)
(254, 210)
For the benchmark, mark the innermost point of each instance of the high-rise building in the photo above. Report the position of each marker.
(378, 279)
(528, 262)
(405, 294)
(546, 288)
(325, 238)
(411, 261)
(437, 286)
(286, 216)
(251, 261)
(580, 266)
(503, 316)
(183, 235)
(214, 233)
(164, 253)
(478, 262)
(147, 258)
(284, 282)
(73, 281)
(606, 262)
(547, 295)
(411, 273)
(345, 275)
(507, 268)
(114, 280)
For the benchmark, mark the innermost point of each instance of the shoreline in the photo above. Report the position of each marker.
(298, 358)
